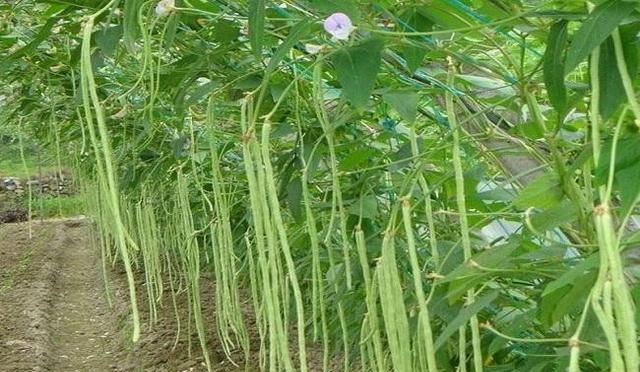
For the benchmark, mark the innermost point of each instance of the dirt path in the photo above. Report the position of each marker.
(54, 316)
(82, 325)
(54, 313)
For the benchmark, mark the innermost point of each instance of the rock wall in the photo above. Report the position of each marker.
(51, 184)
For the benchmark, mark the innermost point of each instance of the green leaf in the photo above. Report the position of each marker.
(297, 32)
(357, 158)
(595, 29)
(464, 315)
(347, 7)
(357, 68)
(563, 213)
(413, 20)
(498, 257)
(413, 55)
(108, 39)
(200, 92)
(130, 23)
(573, 275)
(42, 35)
(553, 68)
(225, 31)
(544, 192)
(627, 168)
(555, 305)
(612, 92)
(628, 186)
(203, 5)
(627, 154)
(365, 207)
(171, 29)
(256, 26)
(294, 198)
(405, 102)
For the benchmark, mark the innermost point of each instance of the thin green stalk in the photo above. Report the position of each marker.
(90, 97)
(426, 191)
(624, 322)
(372, 318)
(26, 172)
(627, 81)
(392, 304)
(424, 319)
(272, 195)
(464, 225)
(328, 129)
(279, 349)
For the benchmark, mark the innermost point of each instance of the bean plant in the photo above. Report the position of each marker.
(448, 185)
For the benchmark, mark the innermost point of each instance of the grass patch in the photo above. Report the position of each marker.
(14, 168)
(37, 163)
(62, 206)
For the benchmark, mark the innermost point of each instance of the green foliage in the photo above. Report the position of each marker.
(554, 66)
(319, 173)
(356, 69)
(595, 29)
(256, 26)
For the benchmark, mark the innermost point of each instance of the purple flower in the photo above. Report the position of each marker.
(339, 26)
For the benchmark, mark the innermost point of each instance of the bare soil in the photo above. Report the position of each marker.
(54, 313)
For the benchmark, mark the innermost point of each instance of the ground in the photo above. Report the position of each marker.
(55, 315)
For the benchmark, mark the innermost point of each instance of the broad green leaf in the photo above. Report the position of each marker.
(297, 32)
(42, 35)
(130, 24)
(627, 168)
(497, 257)
(225, 31)
(563, 213)
(544, 192)
(365, 207)
(200, 92)
(348, 7)
(559, 14)
(553, 68)
(410, 21)
(515, 326)
(627, 154)
(357, 68)
(203, 5)
(413, 55)
(357, 158)
(405, 102)
(256, 26)
(555, 305)
(464, 315)
(445, 14)
(627, 181)
(635, 292)
(601, 22)
(612, 92)
(457, 289)
(108, 39)
(171, 29)
(573, 274)
(294, 198)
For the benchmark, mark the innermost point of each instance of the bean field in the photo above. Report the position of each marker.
(320, 185)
